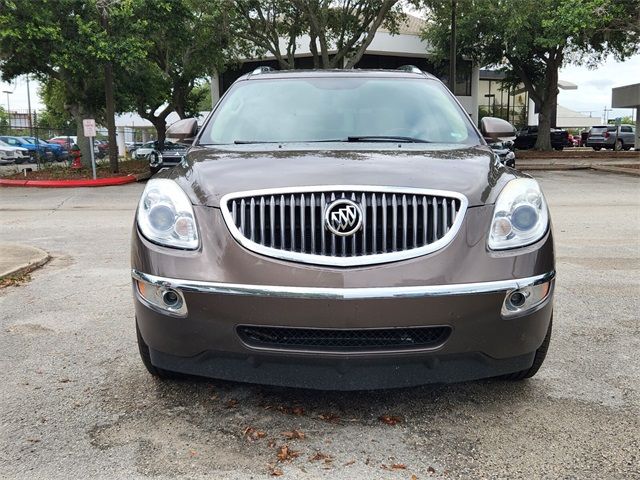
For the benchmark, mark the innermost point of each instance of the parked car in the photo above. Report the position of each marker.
(169, 155)
(504, 150)
(12, 154)
(41, 150)
(131, 147)
(528, 136)
(103, 148)
(611, 137)
(342, 230)
(65, 141)
(59, 153)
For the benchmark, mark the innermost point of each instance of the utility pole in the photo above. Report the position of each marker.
(109, 100)
(8, 92)
(452, 50)
(29, 107)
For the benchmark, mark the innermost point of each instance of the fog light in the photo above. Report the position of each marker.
(517, 299)
(171, 298)
(525, 299)
(164, 299)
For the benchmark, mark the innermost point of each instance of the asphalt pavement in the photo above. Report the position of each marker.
(76, 402)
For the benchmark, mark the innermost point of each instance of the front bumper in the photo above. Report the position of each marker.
(205, 341)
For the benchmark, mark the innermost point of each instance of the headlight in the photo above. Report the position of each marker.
(165, 215)
(520, 216)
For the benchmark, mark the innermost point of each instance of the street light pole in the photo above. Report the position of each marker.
(29, 107)
(8, 92)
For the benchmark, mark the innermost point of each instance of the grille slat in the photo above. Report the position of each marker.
(391, 222)
(321, 339)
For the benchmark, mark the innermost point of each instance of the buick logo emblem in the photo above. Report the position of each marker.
(343, 217)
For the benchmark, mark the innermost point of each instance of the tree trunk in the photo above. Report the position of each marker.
(161, 130)
(548, 104)
(83, 142)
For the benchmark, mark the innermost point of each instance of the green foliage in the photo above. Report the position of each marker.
(346, 26)
(186, 41)
(531, 39)
(626, 120)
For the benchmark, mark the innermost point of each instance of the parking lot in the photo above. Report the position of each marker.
(76, 401)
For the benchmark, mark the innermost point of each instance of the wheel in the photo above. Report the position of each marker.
(618, 146)
(143, 348)
(539, 357)
(597, 149)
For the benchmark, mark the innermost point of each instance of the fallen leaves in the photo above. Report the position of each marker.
(391, 420)
(285, 454)
(329, 417)
(275, 471)
(395, 466)
(431, 470)
(232, 403)
(298, 411)
(319, 456)
(252, 434)
(293, 435)
(14, 280)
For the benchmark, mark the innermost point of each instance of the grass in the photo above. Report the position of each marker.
(14, 280)
(64, 172)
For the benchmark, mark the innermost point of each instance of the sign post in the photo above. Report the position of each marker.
(89, 127)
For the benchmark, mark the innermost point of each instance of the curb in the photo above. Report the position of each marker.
(100, 182)
(551, 167)
(626, 171)
(27, 267)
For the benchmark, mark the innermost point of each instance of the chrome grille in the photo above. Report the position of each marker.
(397, 223)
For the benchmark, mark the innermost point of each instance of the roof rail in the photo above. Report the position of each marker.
(262, 69)
(410, 69)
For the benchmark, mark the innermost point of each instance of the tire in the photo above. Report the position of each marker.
(597, 149)
(160, 373)
(539, 357)
(618, 146)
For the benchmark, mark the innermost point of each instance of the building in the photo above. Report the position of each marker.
(628, 96)
(385, 51)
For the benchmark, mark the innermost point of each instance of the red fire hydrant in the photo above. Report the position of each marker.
(76, 155)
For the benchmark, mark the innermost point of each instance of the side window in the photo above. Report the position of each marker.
(626, 129)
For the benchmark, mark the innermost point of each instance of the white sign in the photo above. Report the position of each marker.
(89, 126)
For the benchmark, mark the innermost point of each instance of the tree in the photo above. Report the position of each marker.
(531, 40)
(339, 30)
(187, 40)
(63, 41)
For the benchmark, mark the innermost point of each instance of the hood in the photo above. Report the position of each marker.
(209, 173)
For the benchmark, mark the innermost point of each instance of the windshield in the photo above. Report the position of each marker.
(339, 109)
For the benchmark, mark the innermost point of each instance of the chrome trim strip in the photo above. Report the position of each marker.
(326, 293)
(344, 261)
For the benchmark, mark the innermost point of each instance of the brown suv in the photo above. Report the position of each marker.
(342, 230)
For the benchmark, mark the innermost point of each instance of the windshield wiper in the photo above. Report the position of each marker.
(385, 138)
(245, 142)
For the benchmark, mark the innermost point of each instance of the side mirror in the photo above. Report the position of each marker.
(496, 129)
(183, 130)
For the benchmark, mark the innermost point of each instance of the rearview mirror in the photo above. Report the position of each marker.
(496, 129)
(185, 129)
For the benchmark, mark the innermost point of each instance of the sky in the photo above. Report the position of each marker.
(593, 93)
